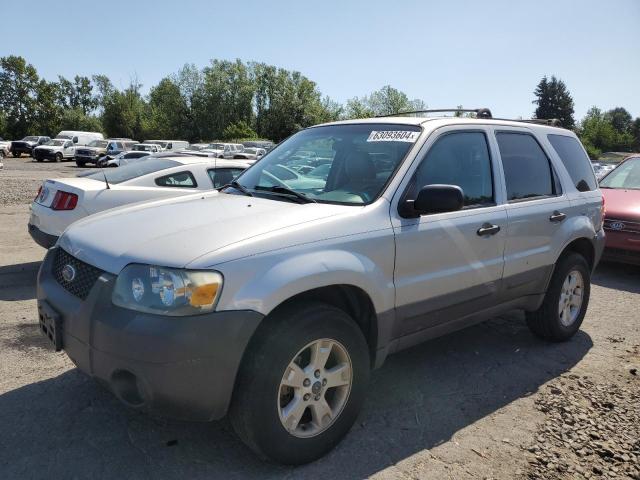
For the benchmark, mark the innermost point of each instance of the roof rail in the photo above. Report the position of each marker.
(480, 112)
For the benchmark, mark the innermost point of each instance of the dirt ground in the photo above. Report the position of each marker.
(491, 401)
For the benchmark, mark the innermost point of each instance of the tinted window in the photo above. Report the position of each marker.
(223, 176)
(136, 155)
(460, 159)
(129, 171)
(179, 179)
(575, 161)
(527, 170)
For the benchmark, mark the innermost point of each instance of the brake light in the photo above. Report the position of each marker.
(39, 192)
(64, 201)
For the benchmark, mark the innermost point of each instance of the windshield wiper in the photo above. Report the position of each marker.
(287, 191)
(240, 188)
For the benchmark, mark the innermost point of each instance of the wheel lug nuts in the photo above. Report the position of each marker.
(317, 397)
(316, 374)
(324, 382)
(306, 397)
(306, 382)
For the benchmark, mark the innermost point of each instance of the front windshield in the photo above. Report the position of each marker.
(98, 144)
(30, 139)
(627, 175)
(55, 143)
(360, 157)
(215, 146)
(131, 170)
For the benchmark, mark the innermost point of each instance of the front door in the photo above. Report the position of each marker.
(450, 264)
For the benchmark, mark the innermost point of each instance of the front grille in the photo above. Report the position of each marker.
(622, 253)
(85, 274)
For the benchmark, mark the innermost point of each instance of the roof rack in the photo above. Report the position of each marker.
(480, 112)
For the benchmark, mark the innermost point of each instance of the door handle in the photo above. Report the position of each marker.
(488, 229)
(557, 216)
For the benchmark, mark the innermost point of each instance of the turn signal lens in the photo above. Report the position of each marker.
(64, 201)
(203, 295)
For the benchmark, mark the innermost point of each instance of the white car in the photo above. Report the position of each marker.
(56, 149)
(61, 202)
(123, 158)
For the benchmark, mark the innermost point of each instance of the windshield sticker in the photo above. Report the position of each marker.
(393, 136)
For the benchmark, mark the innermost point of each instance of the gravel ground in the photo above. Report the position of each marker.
(488, 402)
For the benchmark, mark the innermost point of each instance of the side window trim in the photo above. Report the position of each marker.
(422, 158)
(555, 179)
(193, 179)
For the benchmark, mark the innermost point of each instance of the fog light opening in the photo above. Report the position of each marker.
(125, 386)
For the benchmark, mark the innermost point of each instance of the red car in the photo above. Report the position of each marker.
(621, 190)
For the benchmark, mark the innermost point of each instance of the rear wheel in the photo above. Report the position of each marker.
(58, 157)
(301, 384)
(565, 303)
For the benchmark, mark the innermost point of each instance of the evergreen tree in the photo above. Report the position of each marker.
(554, 101)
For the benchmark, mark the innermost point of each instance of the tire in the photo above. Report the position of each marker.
(258, 399)
(549, 322)
(16, 154)
(39, 160)
(80, 164)
(58, 157)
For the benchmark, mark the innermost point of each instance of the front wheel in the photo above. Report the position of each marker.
(565, 303)
(16, 154)
(301, 384)
(80, 164)
(58, 157)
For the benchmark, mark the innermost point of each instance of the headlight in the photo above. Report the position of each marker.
(167, 291)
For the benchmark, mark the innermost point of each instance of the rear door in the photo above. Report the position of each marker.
(536, 209)
(449, 265)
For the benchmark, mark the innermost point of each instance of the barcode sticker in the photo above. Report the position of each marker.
(393, 136)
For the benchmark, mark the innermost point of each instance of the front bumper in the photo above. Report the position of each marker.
(40, 154)
(87, 158)
(622, 247)
(43, 239)
(179, 367)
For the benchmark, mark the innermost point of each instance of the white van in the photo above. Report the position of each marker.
(170, 145)
(80, 138)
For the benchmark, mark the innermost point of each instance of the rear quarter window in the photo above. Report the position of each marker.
(575, 161)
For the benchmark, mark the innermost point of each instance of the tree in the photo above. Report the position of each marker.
(635, 133)
(168, 112)
(598, 134)
(554, 101)
(76, 119)
(18, 91)
(125, 113)
(386, 101)
(48, 113)
(620, 119)
(238, 131)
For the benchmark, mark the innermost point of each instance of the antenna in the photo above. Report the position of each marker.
(104, 175)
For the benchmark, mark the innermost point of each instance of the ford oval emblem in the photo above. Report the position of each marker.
(617, 226)
(68, 273)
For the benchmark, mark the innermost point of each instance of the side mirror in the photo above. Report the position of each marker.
(75, 139)
(438, 199)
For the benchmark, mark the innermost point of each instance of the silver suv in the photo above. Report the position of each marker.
(274, 299)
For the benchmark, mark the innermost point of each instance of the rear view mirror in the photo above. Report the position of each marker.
(438, 199)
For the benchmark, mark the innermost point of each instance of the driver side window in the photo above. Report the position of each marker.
(462, 159)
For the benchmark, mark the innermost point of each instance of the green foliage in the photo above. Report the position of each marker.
(238, 131)
(125, 113)
(386, 101)
(76, 119)
(554, 101)
(598, 134)
(18, 91)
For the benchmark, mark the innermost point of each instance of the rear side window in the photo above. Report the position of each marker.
(179, 179)
(527, 170)
(461, 159)
(575, 161)
(223, 176)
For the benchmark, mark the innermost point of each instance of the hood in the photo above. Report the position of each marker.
(49, 147)
(174, 232)
(623, 204)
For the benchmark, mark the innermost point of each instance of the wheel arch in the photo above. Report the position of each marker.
(582, 246)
